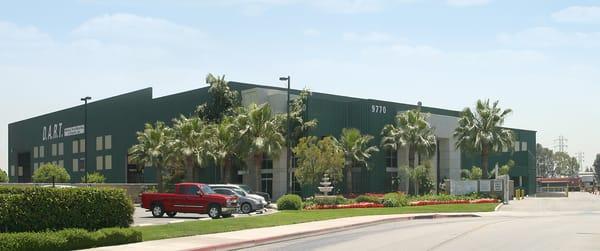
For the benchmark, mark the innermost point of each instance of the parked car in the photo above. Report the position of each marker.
(190, 198)
(247, 204)
(265, 196)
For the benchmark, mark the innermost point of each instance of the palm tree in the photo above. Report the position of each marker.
(261, 134)
(482, 132)
(411, 129)
(192, 143)
(154, 148)
(226, 145)
(357, 152)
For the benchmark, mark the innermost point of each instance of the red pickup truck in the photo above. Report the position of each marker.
(190, 198)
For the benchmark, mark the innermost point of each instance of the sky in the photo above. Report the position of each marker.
(539, 58)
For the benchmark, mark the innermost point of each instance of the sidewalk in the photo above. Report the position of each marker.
(252, 237)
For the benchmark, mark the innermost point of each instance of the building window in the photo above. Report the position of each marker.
(54, 149)
(81, 164)
(20, 171)
(75, 165)
(82, 145)
(42, 152)
(35, 152)
(99, 162)
(108, 142)
(12, 170)
(55, 163)
(267, 162)
(524, 146)
(108, 162)
(35, 166)
(391, 158)
(99, 143)
(517, 146)
(75, 146)
(504, 149)
(61, 149)
(61, 163)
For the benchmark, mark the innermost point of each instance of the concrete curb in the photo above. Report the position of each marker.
(286, 237)
(498, 207)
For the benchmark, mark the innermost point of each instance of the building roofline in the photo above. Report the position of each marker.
(89, 103)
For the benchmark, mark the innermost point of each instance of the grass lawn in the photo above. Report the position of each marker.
(293, 217)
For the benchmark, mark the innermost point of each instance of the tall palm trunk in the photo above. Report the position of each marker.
(485, 155)
(189, 169)
(348, 164)
(226, 170)
(159, 178)
(411, 156)
(258, 158)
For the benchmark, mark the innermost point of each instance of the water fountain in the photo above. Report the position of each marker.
(326, 186)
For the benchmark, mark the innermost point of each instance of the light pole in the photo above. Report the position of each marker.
(85, 131)
(288, 174)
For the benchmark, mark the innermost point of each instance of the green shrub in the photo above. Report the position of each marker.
(395, 200)
(51, 173)
(38, 209)
(289, 202)
(476, 173)
(94, 177)
(3, 176)
(366, 198)
(330, 200)
(68, 239)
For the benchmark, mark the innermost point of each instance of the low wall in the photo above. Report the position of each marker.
(495, 187)
(133, 190)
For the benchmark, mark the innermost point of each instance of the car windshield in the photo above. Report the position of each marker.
(206, 190)
(246, 188)
(240, 192)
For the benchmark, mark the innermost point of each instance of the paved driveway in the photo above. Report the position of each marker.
(143, 218)
(576, 202)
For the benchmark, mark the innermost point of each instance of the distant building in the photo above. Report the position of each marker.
(58, 138)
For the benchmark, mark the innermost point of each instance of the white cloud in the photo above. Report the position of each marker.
(258, 7)
(368, 37)
(578, 14)
(310, 32)
(550, 37)
(464, 3)
(131, 29)
(12, 35)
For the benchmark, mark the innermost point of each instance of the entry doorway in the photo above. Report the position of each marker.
(23, 167)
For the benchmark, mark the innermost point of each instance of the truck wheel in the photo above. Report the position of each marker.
(157, 210)
(246, 208)
(171, 214)
(214, 211)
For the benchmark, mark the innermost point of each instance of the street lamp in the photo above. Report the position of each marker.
(85, 130)
(288, 175)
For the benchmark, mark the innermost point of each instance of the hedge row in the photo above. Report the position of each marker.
(25, 209)
(68, 239)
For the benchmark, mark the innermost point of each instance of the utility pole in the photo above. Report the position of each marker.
(288, 138)
(85, 134)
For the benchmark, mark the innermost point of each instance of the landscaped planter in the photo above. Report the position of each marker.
(429, 203)
(346, 206)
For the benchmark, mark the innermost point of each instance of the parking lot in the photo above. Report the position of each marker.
(143, 218)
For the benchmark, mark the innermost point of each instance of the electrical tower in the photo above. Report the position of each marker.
(560, 144)
(580, 156)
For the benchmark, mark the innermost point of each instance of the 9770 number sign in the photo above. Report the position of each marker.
(378, 109)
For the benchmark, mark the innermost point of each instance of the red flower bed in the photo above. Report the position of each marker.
(346, 206)
(429, 203)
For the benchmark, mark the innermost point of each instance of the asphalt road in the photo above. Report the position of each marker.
(534, 224)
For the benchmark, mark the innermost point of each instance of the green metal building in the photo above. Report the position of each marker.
(112, 124)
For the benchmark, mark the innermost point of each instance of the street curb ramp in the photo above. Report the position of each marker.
(294, 236)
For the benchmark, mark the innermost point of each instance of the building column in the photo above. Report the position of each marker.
(280, 175)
